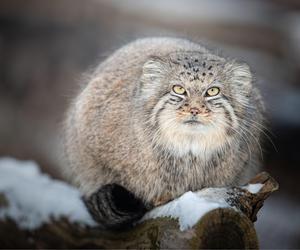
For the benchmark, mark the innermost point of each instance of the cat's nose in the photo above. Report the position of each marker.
(194, 111)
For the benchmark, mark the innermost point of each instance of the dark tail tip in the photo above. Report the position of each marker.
(114, 207)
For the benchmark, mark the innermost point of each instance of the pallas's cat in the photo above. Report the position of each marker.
(160, 117)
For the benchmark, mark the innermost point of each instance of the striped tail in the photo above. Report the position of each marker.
(114, 207)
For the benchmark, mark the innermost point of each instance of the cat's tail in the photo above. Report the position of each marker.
(114, 207)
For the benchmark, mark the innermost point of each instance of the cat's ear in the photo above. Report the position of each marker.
(241, 75)
(154, 67)
(152, 75)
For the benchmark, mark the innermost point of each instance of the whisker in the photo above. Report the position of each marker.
(253, 123)
(250, 122)
(243, 136)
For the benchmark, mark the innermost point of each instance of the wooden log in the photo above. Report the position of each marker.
(229, 227)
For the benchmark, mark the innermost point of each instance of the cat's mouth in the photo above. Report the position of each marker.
(192, 122)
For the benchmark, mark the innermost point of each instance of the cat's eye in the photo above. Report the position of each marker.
(179, 90)
(213, 91)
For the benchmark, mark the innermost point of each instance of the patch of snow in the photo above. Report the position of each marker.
(253, 188)
(190, 207)
(34, 197)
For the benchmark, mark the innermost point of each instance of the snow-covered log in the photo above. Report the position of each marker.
(39, 212)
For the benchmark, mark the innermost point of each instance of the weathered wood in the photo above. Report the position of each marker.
(250, 203)
(219, 228)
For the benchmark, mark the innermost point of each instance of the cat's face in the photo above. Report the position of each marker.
(196, 101)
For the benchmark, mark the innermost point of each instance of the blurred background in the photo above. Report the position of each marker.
(46, 46)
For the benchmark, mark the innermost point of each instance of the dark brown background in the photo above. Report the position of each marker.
(45, 46)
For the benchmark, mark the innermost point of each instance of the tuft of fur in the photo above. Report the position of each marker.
(127, 127)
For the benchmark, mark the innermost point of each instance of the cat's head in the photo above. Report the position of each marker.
(194, 102)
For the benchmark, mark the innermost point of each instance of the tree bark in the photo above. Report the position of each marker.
(220, 228)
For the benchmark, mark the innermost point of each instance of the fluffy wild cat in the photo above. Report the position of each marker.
(160, 117)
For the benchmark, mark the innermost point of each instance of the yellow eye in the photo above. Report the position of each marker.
(178, 89)
(213, 91)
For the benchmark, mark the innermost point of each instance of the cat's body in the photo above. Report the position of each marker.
(129, 127)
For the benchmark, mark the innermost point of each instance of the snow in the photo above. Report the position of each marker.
(190, 207)
(34, 197)
(253, 188)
